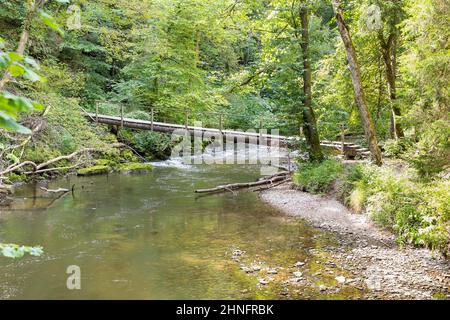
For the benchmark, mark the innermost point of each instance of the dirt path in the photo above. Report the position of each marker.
(372, 255)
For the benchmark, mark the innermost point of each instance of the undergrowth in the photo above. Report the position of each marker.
(417, 210)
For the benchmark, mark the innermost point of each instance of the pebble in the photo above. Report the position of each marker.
(256, 268)
(246, 269)
(272, 271)
(297, 274)
(340, 279)
(299, 264)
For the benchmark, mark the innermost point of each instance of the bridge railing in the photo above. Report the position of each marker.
(218, 119)
(157, 114)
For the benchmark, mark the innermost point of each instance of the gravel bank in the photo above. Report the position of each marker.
(371, 255)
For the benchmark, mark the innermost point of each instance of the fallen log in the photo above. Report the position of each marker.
(235, 186)
(59, 190)
(263, 188)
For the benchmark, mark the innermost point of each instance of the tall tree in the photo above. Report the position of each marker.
(309, 118)
(355, 71)
(389, 45)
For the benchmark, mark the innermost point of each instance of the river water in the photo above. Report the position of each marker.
(150, 236)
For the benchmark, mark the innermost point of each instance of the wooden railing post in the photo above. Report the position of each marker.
(96, 113)
(343, 138)
(260, 128)
(121, 116)
(153, 118)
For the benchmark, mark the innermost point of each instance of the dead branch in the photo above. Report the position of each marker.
(39, 168)
(18, 166)
(55, 190)
(68, 157)
(54, 169)
(273, 185)
(235, 186)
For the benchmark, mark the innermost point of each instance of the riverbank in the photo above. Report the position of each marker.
(372, 255)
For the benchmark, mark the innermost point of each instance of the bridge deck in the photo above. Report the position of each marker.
(350, 149)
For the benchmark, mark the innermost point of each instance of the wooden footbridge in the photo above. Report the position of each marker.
(349, 150)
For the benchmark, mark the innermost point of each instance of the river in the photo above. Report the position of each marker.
(150, 236)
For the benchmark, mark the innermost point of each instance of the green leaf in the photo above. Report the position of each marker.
(9, 123)
(5, 61)
(38, 106)
(32, 76)
(15, 56)
(50, 22)
(16, 70)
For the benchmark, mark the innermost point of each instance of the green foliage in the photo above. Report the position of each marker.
(431, 154)
(318, 177)
(66, 131)
(397, 148)
(419, 212)
(248, 112)
(11, 105)
(153, 144)
(16, 251)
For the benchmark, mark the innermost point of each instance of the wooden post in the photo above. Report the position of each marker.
(96, 113)
(153, 117)
(289, 161)
(121, 116)
(260, 128)
(343, 138)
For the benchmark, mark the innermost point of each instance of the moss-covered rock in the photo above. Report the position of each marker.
(95, 170)
(134, 167)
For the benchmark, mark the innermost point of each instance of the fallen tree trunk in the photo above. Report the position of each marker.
(263, 188)
(235, 186)
(59, 190)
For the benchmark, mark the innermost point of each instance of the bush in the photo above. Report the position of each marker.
(317, 177)
(418, 212)
(432, 153)
(149, 144)
(396, 148)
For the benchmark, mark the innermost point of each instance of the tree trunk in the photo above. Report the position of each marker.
(355, 71)
(309, 118)
(33, 6)
(388, 50)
